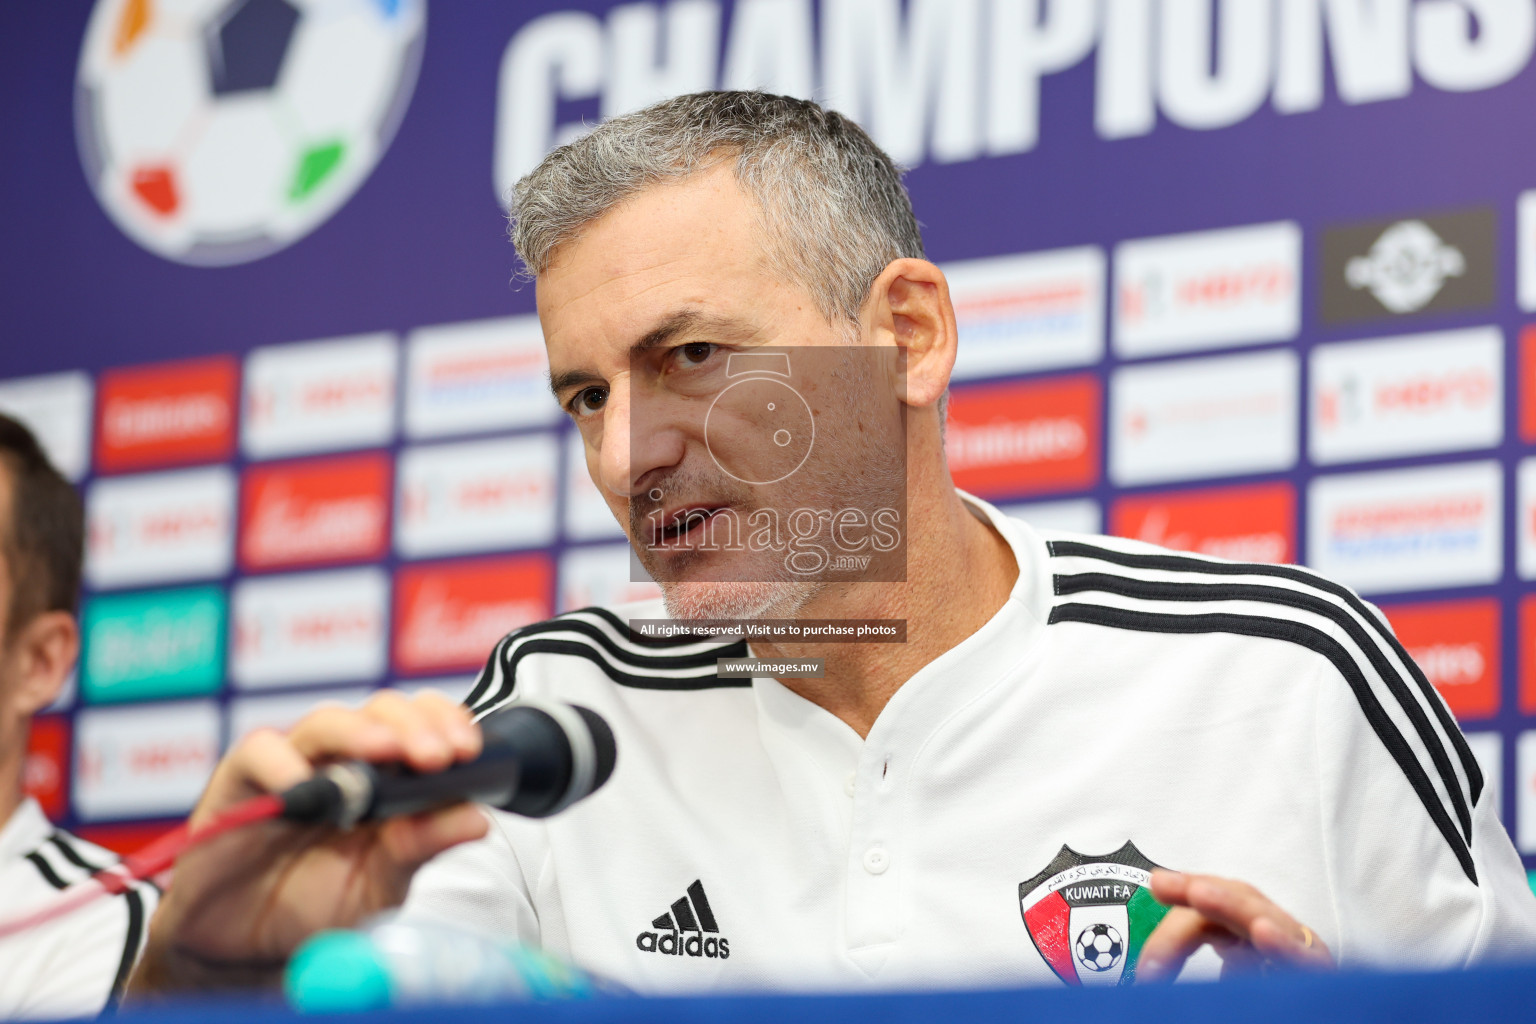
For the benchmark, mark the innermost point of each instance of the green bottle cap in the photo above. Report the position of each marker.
(337, 972)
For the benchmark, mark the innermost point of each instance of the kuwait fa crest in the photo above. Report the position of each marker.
(1089, 916)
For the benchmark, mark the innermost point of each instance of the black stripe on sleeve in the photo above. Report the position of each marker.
(1313, 639)
(131, 940)
(1162, 590)
(46, 870)
(61, 842)
(1185, 563)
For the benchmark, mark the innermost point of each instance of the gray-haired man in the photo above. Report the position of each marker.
(984, 803)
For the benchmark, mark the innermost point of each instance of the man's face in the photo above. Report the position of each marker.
(714, 399)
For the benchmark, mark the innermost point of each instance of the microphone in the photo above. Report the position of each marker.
(539, 757)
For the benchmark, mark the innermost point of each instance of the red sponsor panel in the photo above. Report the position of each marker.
(1456, 643)
(321, 510)
(1526, 393)
(1249, 524)
(45, 772)
(448, 616)
(1528, 655)
(166, 414)
(1016, 439)
(126, 839)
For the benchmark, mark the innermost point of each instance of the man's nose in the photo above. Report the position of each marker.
(637, 440)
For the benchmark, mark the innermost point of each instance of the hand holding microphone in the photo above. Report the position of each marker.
(400, 769)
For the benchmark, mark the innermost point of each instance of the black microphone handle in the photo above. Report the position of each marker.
(537, 759)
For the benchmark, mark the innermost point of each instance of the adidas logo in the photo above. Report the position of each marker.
(691, 914)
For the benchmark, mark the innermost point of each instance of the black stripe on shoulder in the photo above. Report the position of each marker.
(635, 638)
(1184, 563)
(517, 640)
(1313, 639)
(1162, 590)
(46, 870)
(582, 649)
(64, 843)
(131, 941)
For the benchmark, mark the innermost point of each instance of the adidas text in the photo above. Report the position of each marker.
(673, 944)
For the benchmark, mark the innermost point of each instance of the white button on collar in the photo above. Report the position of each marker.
(876, 860)
(850, 783)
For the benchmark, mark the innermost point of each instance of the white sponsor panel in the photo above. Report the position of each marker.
(157, 527)
(1526, 250)
(476, 496)
(1200, 418)
(56, 407)
(1438, 392)
(1488, 748)
(1408, 529)
(1525, 799)
(281, 711)
(143, 761)
(311, 628)
(1074, 515)
(478, 376)
(605, 574)
(1525, 518)
(1209, 289)
(1029, 312)
(587, 515)
(455, 688)
(319, 396)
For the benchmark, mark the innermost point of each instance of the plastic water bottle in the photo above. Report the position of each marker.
(391, 962)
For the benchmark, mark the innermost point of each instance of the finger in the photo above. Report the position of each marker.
(410, 841)
(427, 747)
(453, 720)
(1181, 932)
(1232, 904)
(1290, 945)
(332, 732)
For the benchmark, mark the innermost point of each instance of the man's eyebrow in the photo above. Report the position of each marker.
(681, 322)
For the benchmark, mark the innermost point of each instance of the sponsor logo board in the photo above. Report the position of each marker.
(1525, 800)
(1416, 395)
(1525, 391)
(1488, 748)
(476, 496)
(1247, 524)
(1032, 312)
(603, 574)
(1527, 641)
(321, 510)
(318, 396)
(587, 515)
(1525, 250)
(449, 616)
(1201, 418)
(1525, 518)
(166, 414)
(45, 770)
(1072, 515)
(166, 643)
(282, 711)
(146, 760)
(1456, 643)
(1025, 437)
(455, 688)
(478, 376)
(157, 527)
(1408, 529)
(56, 407)
(1387, 268)
(1208, 289)
(313, 628)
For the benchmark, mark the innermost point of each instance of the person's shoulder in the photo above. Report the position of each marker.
(631, 646)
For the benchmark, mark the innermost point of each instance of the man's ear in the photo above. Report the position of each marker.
(910, 302)
(42, 652)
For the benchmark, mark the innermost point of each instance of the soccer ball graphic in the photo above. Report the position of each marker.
(220, 131)
(1099, 947)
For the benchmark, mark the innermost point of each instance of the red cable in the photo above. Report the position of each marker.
(150, 861)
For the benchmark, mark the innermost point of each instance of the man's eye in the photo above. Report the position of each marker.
(694, 354)
(589, 401)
